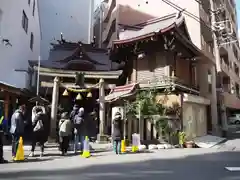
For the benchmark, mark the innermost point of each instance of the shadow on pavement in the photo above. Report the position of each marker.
(28, 160)
(197, 167)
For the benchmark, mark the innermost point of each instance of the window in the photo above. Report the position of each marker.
(25, 22)
(29, 2)
(31, 41)
(209, 81)
(34, 4)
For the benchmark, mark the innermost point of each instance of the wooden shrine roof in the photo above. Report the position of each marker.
(77, 56)
(159, 26)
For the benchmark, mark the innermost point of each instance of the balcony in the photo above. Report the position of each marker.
(231, 100)
(225, 65)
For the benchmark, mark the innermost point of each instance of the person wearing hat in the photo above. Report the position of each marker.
(65, 131)
(117, 134)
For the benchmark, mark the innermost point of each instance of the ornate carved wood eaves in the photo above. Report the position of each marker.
(169, 41)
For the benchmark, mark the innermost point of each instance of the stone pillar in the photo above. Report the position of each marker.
(129, 133)
(148, 129)
(54, 108)
(154, 130)
(101, 136)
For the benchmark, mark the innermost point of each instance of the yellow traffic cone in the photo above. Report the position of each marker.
(20, 151)
(86, 151)
(123, 146)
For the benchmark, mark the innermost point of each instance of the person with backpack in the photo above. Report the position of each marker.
(80, 130)
(65, 131)
(39, 124)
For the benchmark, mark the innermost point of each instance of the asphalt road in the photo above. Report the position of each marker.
(175, 164)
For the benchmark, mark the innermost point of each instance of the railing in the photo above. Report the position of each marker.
(166, 82)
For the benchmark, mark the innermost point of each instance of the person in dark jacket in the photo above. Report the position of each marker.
(17, 127)
(39, 124)
(80, 130)
(74, 112)
(117, 133)
(72, 115)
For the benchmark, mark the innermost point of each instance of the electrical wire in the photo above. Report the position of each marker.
(189, 14)
(200, 3)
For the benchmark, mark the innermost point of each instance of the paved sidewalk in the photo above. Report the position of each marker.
(54, 147)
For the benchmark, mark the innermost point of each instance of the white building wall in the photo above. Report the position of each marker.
(158, 8)
(71, 18)
(17, 56)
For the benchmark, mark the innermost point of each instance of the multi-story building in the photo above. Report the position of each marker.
(73, 19)
(119, 13)
(19, 39)
(229, 63)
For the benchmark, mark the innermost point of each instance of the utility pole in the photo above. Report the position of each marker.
(90, 23)
(100, 24)
(214, 109)
(38, 75)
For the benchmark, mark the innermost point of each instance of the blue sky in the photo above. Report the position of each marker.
(238, 12)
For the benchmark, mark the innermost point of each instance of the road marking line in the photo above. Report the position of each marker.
(233, 168)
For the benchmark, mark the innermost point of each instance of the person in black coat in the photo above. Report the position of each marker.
(117, 134)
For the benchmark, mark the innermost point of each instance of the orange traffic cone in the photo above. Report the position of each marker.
(86, 151)
(20, 151)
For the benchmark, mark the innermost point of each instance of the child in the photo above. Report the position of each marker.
(65, 131)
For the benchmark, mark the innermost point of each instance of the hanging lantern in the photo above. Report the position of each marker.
(79, 97)
(89, 95)
(65, 93)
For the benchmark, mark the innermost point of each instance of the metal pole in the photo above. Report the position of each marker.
(38, 75)
(91, 4)
(213, 72)
(139, 122)
(100, 25)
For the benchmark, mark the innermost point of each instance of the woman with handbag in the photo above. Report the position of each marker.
(39, 125)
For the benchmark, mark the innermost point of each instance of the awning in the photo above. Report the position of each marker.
(121, 92)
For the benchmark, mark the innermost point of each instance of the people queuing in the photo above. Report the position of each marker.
(69, 124)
